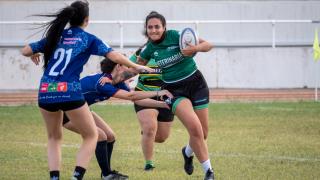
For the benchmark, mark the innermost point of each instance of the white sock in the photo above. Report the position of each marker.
(206, 165)
(188, 151)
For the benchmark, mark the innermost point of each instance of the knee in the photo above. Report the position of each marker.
(102, 136)
(196, 132)
(160, 139)
(149, 131)
(56, 136)
(111, 137)
(90, 135)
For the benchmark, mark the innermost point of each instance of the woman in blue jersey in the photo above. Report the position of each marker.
(155, 122)
(94, 92)
(65, 52)
(182, 78)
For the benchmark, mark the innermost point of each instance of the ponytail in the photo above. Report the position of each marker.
(74, 14)
(138, 51)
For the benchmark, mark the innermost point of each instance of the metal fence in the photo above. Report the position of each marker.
(306, 25)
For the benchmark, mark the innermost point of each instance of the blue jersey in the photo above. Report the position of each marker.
(93, 92)
(60, 80)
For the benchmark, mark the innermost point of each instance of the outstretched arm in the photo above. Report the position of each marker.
(129, 73)
(152, 103)
(121, 59)
(138, 95)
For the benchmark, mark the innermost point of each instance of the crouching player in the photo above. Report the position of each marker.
(94, 92)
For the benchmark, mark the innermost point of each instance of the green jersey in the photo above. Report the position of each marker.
(149, 81)
(168, 57)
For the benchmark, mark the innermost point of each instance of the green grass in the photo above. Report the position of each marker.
(246, 141)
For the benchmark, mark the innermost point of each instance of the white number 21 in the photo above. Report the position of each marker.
(60, 53)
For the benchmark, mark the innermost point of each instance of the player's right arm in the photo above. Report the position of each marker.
(152, 103)
(27, 51)
(138, 95)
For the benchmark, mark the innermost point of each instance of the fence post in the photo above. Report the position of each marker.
(121, 35)
(273, 23)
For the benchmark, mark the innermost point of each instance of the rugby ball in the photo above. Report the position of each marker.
(187, 36)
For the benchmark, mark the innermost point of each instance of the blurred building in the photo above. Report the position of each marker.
(253, 47)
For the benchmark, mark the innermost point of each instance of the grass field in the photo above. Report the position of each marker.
(246, 141)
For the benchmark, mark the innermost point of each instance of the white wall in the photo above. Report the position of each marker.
(220, 34)
(222, 68)
(227, 66)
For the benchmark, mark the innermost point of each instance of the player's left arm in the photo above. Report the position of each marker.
(203, 46)
(152, 103)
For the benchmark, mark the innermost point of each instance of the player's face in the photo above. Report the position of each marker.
(155, 29)
(121, 68)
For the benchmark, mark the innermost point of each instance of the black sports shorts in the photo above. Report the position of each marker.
(194, 88)
(65, 119)
(165, 115)
(64, 106)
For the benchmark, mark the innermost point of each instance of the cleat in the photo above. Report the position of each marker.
(209, 175)
(115, 175)
(149, 167)
(188, 162)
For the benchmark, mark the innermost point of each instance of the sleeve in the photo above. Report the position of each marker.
(99, 48)
(146, 52)
(123, 86)
(107, 90)
(133, 58)
(38, 46)
(175, 35)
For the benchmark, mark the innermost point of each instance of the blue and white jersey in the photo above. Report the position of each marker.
(93, 92)
(60, 80)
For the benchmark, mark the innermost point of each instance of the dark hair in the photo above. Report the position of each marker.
(75, 14)
(107, 66)
(154, 14)
(138, 51)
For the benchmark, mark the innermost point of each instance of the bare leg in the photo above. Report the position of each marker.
(83, 121)
(190, 120)
(203, 115)
(148, 123)
(163, 131)
(100, 123)
(53, 121)
(101, 135)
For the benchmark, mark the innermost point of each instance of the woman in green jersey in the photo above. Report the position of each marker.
(155, 123)
(182, 78)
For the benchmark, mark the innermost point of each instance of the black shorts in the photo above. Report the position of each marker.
(194, 88)
(165, 115)
(65, 119)
(64, 106)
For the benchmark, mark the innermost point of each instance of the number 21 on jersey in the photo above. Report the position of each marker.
(59, 55)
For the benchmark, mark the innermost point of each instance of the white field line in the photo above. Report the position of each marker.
(275, 109)
(173, 152)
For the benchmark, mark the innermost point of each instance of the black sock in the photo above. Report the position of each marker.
(54, 175)
(110, 149)
(79, 172)
(102, 157)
